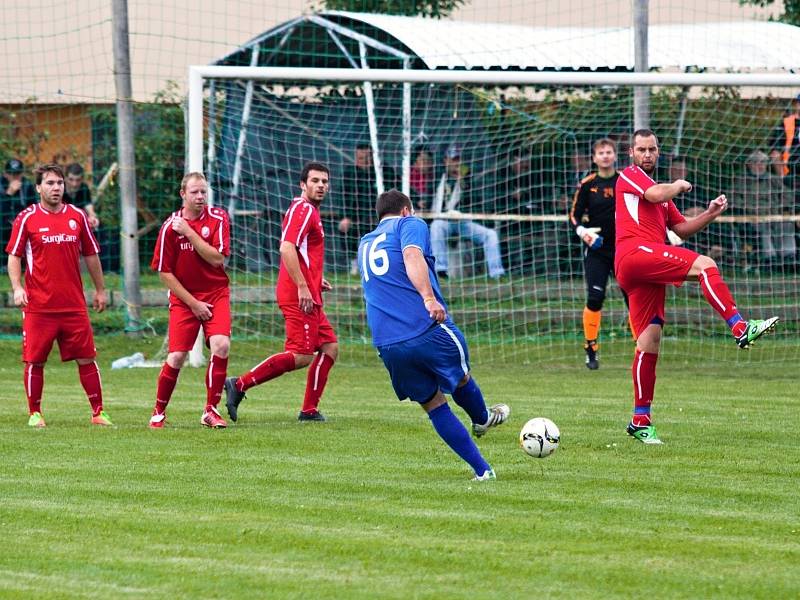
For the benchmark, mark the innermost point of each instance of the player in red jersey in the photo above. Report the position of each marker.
(645, 265)
(189, 257)
(310, 339)
(52, 236)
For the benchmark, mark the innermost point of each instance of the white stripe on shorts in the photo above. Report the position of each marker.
(458, 345)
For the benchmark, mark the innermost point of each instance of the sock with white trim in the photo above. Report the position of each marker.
(316, 380)
(34, 383)
(643, 370)
(215, 379)
(721, 300)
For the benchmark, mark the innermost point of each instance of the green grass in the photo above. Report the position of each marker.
(372, 504)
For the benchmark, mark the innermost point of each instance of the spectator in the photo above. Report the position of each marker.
(453, 195)
(16, 193)
(515, 191)
(708, 241)
(357, 207)
(421, 177)
(763, 194)
(786, 145)
(78, 194)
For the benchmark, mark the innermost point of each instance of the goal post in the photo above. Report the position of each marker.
(546, 119)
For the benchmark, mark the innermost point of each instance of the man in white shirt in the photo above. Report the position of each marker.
(452, 195)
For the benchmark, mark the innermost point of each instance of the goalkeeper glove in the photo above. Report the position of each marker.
(590, 236)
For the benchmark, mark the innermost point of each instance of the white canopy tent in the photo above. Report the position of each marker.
(367, 43)
(437, 44)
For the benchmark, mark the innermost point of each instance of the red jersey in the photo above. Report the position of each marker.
(302, 226)
(638, 220)
(52, 244)
(175, 254)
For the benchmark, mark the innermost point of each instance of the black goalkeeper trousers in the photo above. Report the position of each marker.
(597, 266)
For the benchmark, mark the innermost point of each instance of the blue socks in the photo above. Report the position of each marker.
(455, 435)
(470, 398)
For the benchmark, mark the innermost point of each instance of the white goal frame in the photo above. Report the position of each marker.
(198, 73)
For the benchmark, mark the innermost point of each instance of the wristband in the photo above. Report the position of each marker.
(429, 299)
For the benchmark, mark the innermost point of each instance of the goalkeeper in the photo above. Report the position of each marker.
(592, 217)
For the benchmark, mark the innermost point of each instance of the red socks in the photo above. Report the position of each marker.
(34, 383)
(90, 380)
(317, 378)
(720, 298)
(644, 384)
(272, 367)
(215, 379)
(166, 384)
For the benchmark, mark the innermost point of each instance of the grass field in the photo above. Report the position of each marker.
(372, 504)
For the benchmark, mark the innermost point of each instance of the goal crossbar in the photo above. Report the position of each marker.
(197, 73)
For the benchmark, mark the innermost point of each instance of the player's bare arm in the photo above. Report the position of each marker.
(96, 273)
(292, 262)
(417, 270)
(201, 310)
(15, 275)
(691, 226)
(663, 192)
(205, 250)
(326, 285)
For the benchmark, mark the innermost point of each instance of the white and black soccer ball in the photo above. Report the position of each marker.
(539, 437)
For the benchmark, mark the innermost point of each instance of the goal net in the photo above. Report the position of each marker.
(519, 152)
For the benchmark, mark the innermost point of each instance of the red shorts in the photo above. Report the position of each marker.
(644, 273)
(73, 331)
(183, 325)
(306, 333)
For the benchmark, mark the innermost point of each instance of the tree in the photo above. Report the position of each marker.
(791, 9)
(435, 9)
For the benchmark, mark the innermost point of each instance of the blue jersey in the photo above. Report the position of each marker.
(395, 310)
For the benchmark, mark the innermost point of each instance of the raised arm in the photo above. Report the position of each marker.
(692, 226)
(663, 192)
(206, 251)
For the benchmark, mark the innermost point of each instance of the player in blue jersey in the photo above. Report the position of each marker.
(423, 350)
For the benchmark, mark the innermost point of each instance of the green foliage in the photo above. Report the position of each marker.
(426, 8)
(159, 151)
(719, 130)
(18, 138)
(382, 508)
(791, 9)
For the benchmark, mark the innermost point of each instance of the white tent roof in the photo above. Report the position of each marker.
(738, 46)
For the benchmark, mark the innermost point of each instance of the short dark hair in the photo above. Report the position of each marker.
(419, 149)
(48, 168)
(313, 166)
(391, 202)
(362, 145)
(73, 169)
(642, 133)
(604, 142)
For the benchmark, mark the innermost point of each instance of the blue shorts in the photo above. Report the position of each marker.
(436, 360)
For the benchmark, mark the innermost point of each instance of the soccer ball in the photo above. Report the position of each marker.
(539, 437)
